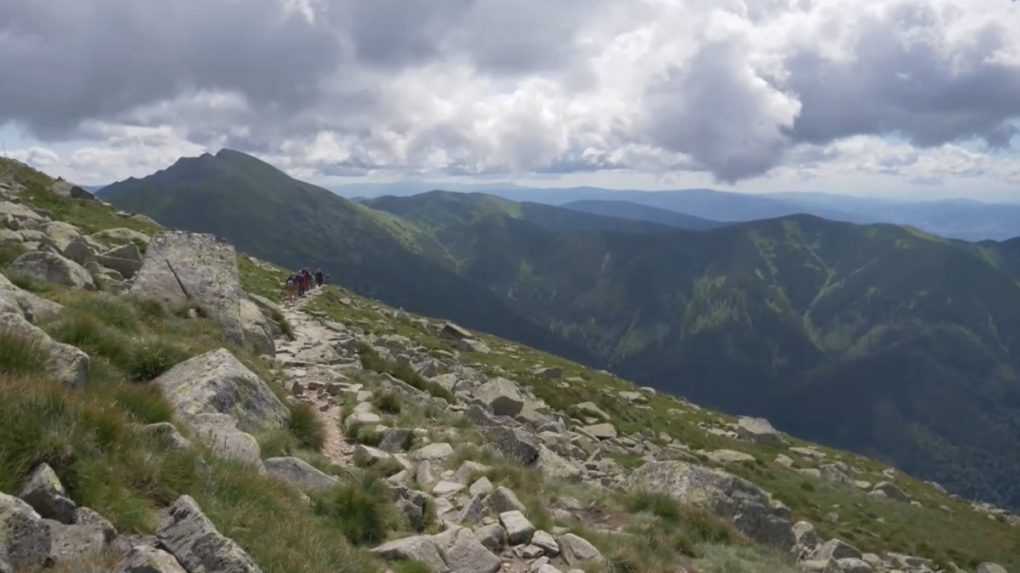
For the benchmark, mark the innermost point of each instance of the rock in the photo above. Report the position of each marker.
(991, 568)
(121, 236)
(26, 538)
(299, 474)
(196, 543)
(194, 269)
(146, 559)
(258, 330)
(367, 456)
(437, 452)
(515, 445)
(747, 506)
(547, 542)
(469, 470)
(396, 440)
(836, 549)
(555, 466)
(65, 363)
(361, 419)
(60, 234)
(729, 457)
(589, 409)
(167, 436)
(126, 260)
(446, 488)
(218, 383)
(492, 536)
(52, 268)
(80, 251)
(503, 499)
(473, 511)
(220, 433)
(481, 486)
(784, 460)
(70, 190)
(805, 537)
(418, 548)
(47, 496)
(451, 330)
(758, 430)
(90, 535)
(604, 431)
(501, 396)
(466, 554)
(853, 565)
(890, 490)
(578, 551)
(518, 529)
(30, 306)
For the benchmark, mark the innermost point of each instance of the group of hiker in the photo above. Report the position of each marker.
(303, 281)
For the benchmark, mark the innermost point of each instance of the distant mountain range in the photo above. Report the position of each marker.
(878, 338)
(954, 218)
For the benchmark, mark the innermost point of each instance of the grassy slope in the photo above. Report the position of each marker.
(942, 529)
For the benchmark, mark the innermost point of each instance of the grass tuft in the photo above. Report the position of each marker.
(362, 511)
(20, 355)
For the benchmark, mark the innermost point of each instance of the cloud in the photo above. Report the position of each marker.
(325, 88)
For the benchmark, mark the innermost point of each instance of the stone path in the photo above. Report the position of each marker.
(314, 368)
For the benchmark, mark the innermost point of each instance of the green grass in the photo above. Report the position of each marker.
(9, 252)
(20, 355)
(388, 403)
(306, 427)
(361, 511)
(371, 360)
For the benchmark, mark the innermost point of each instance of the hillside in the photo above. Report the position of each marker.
(780, 317)
(140, 432)
(638, 212)
(294, 224)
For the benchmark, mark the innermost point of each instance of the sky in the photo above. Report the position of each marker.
(906, 98)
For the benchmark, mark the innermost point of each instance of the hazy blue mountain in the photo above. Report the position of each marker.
(636, 211)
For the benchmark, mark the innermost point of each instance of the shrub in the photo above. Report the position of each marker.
(362, 511)
(388, 402)
(20, 355)
(153, 357)
(146, 403)
(658, 504)
(306, 426)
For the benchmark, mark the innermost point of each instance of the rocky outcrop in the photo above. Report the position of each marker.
(24, 538)
(258, 330)
(420, 548)
(52, 268)
(299, 474)
(219, 432)
(746, 505)
(194, 269)
(218, 383)
(65, 363)
(146, 559)
(33, 307)
(45, 493)
(196, 543)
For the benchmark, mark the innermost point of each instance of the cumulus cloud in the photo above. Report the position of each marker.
(325, 88)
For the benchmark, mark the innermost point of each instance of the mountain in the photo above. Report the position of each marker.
(295, 224)
(639, 212)
(876, 338)
(880, 338)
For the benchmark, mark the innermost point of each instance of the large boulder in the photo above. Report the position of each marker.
(89, 536)
(758, 430)
(60, 234)
(146, 559)
(748, 507)
(515, 445)
(44, 492)
(501, 396)
(125, 259)
(196, 543)
(259, 331)
(218, 383)
(33, 307)
(194, 269)
(420, 548)
(465, 553)
(219, 432)
(52, 268)
(518, 529)
(577, 550)
(64, 362)
(299, 474)
(25, 538)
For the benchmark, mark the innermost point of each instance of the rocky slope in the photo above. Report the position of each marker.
(215, 429)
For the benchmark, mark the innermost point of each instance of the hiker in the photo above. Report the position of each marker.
(291, 288)
(306, 281)
(319, 277)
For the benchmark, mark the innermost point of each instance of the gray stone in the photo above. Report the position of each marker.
(547, 542)
(518, 529)
(52, 268)
(469, 470)
(367, 456)
(32, 307)
(437, 452)
(167, 436)
(361, 419)
(853, 565)
(60, 234)
(836, 549)
(418, 548)
(44, 492)
(515, 445)
(220, 433)
(90, 535)
(555, 466)
(481, 486)
(729, 457)
(577, 550)
(194, 269)
(65, 363)
(396, 440)
(503, 499)
(218, 383)
(473, 511)
(299, 474)
(890, 490)
(758, 430)
(747, 506)
(120, 236)
(492, 536)
(466, 554)
(446, 488)
(589, 409)
(258, 330)
(991, 568)
(80, 251)
(196, 543)
(604, 431)
(501, 396)
(26, 537)
(146, 559)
